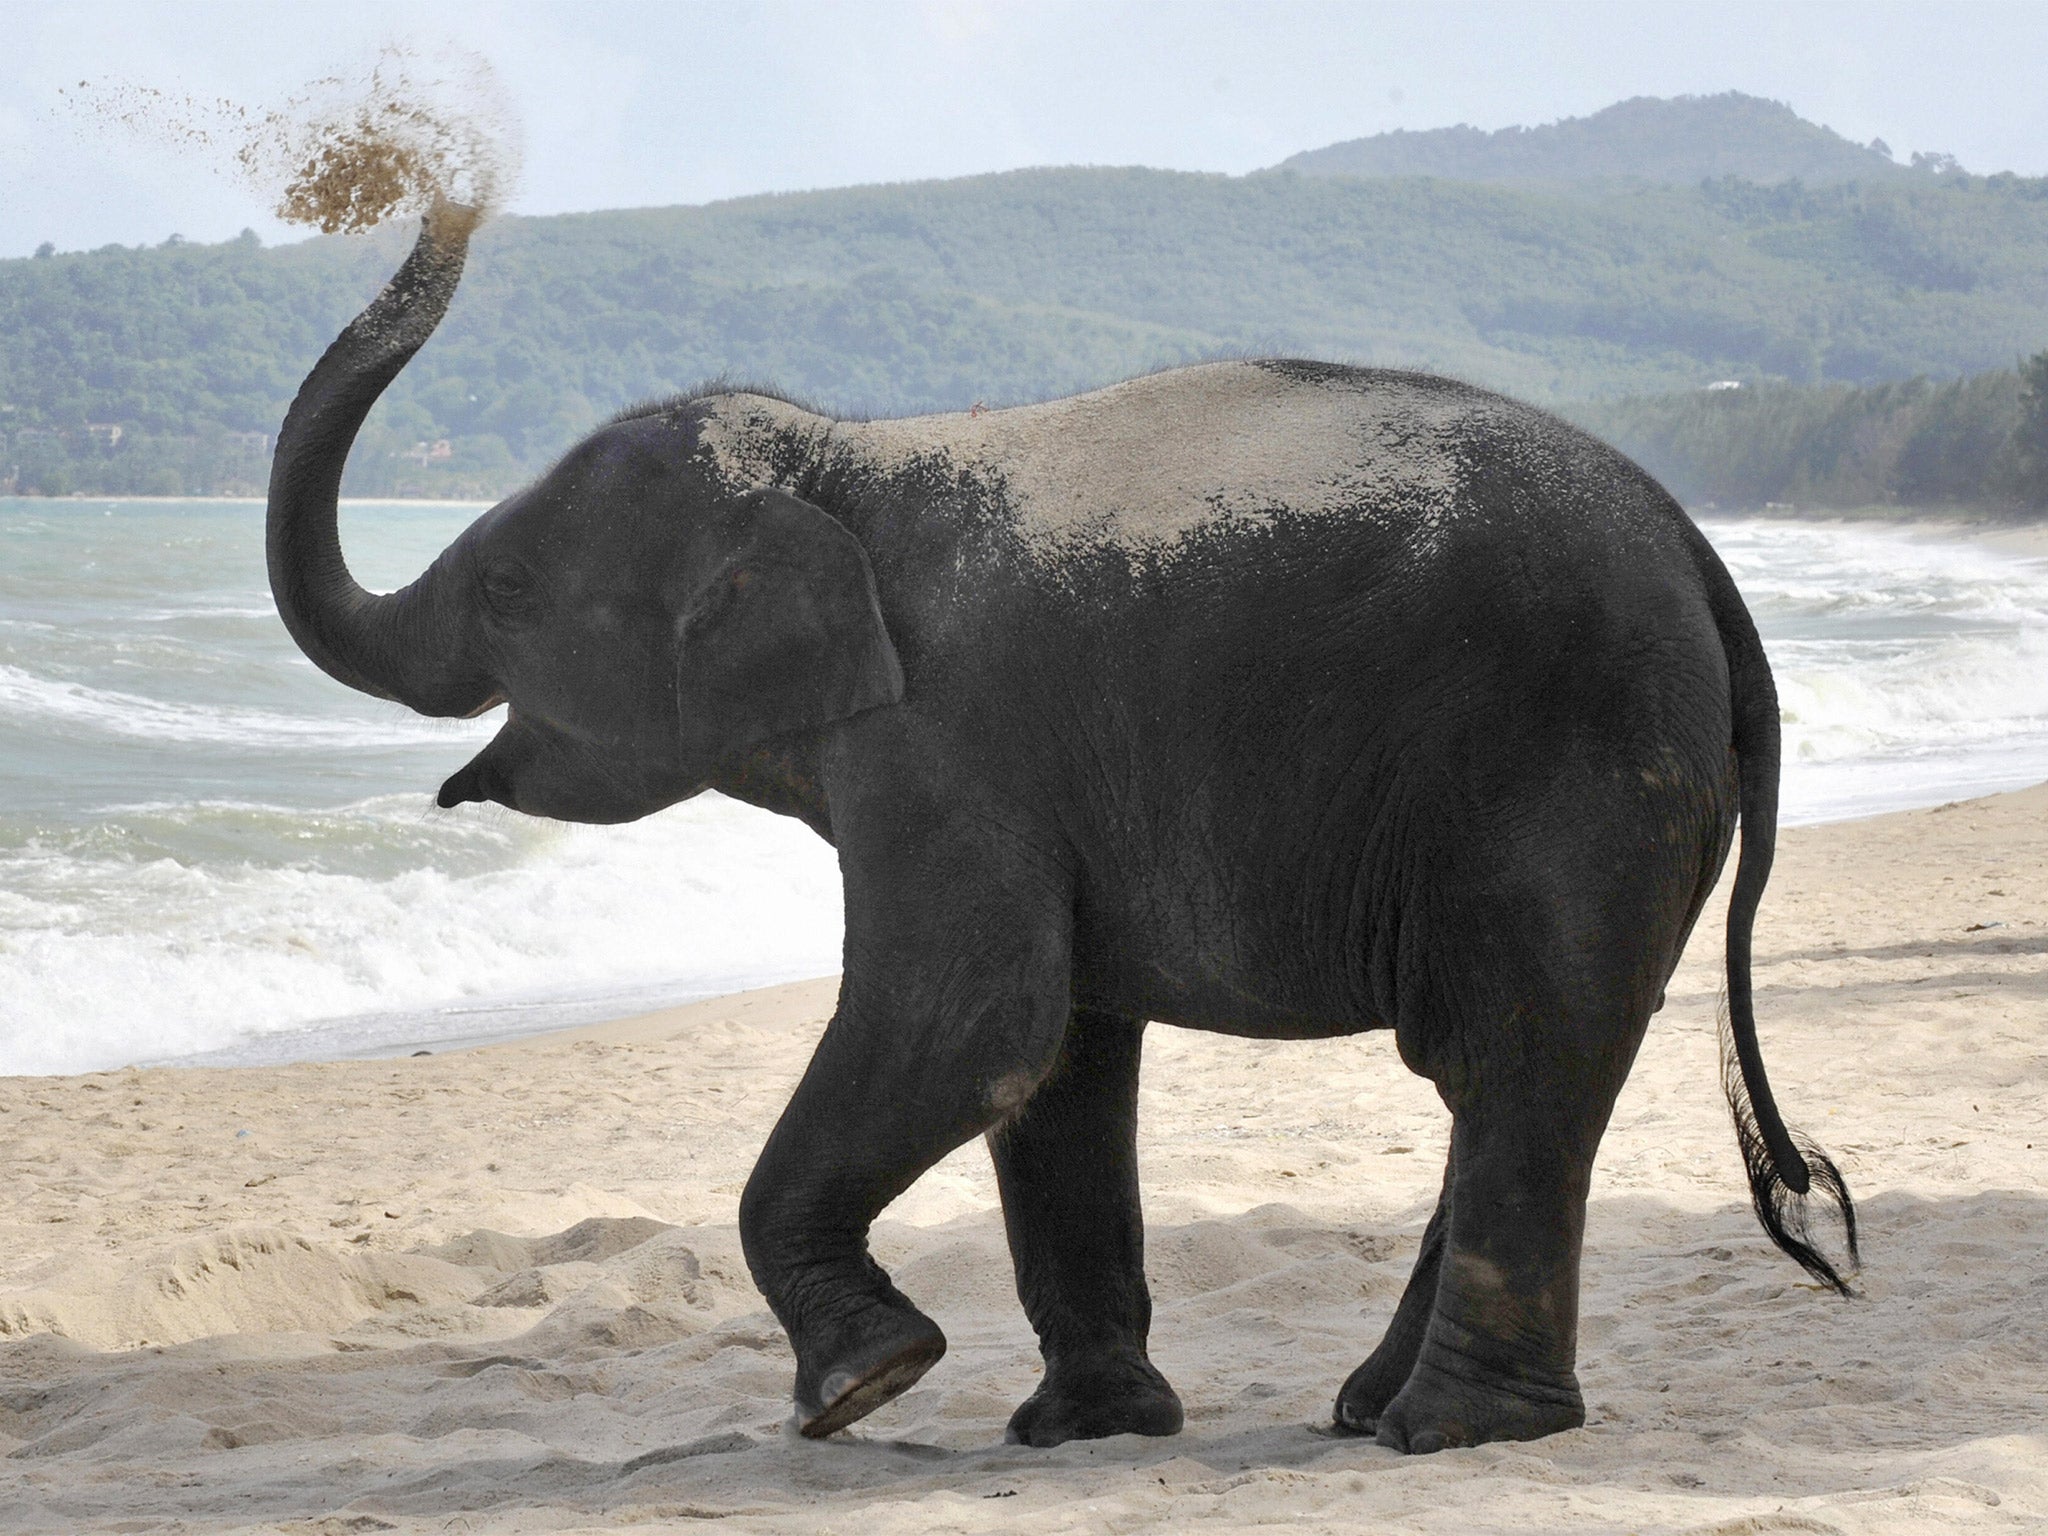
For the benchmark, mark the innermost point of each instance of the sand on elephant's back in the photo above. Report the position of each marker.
(504, 1286)
(1143, 462)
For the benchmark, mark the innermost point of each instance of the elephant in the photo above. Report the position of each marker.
(1278, 698)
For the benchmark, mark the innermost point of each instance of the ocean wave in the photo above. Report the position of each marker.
(105, 961)
(27, 697)
(1790, 569)
(372, 839)
(1837, 705)
(1889, 646)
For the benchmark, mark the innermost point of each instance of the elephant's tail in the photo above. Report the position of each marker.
(1784, 1166)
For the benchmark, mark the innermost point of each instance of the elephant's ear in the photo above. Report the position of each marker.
(786, 634)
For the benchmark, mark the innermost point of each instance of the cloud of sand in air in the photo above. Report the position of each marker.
(413, 131)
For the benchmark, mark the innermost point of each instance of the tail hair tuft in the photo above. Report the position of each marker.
(1784, 1211)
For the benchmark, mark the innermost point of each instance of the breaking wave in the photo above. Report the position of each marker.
(170, 931)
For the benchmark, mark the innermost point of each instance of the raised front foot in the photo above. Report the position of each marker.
(878, 1358)
(1121, 1395)
(1436, 1410)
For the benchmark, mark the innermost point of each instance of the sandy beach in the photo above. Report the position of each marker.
(501, 1289)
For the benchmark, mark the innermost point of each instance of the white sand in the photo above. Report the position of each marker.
(501, 1290)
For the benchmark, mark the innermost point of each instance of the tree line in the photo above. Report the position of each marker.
(1973, 444)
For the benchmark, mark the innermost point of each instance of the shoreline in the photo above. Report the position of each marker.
(636, 1021)
(504, 1285)
(414, 1039)
(409, 1037)
(410, 1032)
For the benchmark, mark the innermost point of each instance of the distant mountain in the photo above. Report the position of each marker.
(1682, 140)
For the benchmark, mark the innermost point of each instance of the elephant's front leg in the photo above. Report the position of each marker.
(1068, 1169)
(952, 1011)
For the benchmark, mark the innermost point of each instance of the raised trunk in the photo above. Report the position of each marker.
(402, 645)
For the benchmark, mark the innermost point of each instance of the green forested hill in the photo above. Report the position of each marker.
(1010, 287)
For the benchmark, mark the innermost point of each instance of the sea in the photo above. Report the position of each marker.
(210, 852)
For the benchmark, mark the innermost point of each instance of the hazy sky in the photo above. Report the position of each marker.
(635, 103)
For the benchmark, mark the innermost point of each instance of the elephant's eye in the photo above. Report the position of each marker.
(508, 587)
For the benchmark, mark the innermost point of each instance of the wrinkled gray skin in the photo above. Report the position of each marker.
(1280, 699)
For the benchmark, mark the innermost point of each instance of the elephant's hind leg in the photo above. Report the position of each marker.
(1498, 1356)
(1386, 1370)
(1068, 1169)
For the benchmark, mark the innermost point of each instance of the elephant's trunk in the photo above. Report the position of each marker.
(403, 645)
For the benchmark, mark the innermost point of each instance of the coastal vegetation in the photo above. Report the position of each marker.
(1975, 444)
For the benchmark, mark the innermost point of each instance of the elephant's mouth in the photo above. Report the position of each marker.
(487, 776)
(539, 771)
(477, 780)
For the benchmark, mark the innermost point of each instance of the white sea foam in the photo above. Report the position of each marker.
(1944, 695)
(106, 959)
(1910, 669)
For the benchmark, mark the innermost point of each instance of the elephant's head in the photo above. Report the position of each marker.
(646, 626)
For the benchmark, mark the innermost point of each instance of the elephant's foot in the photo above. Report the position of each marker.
(874, 1362)
(1120, 1394)
(1436, 1409)
(1369, 1389)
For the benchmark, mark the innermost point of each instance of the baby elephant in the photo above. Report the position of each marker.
(1277, 698)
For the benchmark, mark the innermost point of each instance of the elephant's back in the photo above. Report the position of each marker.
(1148, 465)
(1194, 535)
